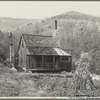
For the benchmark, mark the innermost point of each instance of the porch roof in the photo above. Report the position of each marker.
(47, 51)
(61, 52)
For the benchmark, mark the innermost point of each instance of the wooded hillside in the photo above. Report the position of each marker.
(79, 32)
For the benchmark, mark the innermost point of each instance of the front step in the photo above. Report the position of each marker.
(47, 70)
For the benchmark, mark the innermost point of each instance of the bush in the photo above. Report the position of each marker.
(19, 69)
(9, 64)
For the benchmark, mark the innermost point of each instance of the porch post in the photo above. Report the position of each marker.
(33, 64)
(42, 61)
(27, 62)
(30, 62)
(71, 61)
(53, 62)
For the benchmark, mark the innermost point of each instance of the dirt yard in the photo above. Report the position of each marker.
(21, 84)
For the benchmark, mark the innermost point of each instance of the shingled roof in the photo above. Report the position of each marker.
(41, 51)
(42, 45)
(47, 51)
(39, 41)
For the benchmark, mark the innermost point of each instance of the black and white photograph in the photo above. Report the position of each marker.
(50, 49)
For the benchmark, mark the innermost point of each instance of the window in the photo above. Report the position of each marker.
(38, 59)
(65, 59)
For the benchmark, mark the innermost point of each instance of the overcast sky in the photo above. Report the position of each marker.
(43, 9)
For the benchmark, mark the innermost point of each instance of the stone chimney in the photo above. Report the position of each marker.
(55, 24)
(56, 34)
(55, 31)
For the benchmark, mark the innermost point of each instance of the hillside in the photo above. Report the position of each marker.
(11, 24)
(77, 16)
(71, 26)
(8, 24)
(79, 32)
(22, 84)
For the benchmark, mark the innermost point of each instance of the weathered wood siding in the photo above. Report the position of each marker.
(22, 54)
(66, 65)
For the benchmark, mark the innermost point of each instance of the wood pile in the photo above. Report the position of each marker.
(82, 82)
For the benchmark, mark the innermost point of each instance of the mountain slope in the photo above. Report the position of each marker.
(11, 24)
(77, 16)
(79, 32)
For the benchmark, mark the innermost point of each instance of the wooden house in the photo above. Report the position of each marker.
(42, 53)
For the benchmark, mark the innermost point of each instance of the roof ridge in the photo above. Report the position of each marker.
(37, 35)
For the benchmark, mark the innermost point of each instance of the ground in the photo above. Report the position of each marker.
(21, 84)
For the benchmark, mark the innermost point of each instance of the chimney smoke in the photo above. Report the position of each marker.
(55, 24)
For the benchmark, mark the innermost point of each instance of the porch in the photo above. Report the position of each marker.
(47, 63)
(42, 62)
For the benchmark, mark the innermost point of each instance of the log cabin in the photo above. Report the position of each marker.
(43, 54)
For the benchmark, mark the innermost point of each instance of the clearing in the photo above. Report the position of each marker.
(21, 84)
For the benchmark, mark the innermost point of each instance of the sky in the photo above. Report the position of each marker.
(44, 9)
